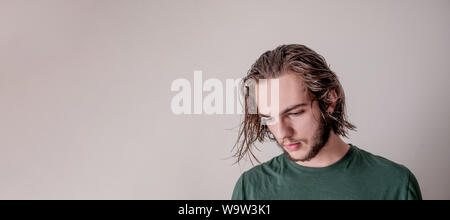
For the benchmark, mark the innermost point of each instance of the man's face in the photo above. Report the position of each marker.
(295, 123)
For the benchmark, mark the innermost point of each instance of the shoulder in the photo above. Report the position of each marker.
(382, 166)
(257, 179)
(392, 175)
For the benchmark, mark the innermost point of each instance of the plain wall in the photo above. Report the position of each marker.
(85, 90)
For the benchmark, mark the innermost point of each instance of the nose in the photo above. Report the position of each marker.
(282, 129)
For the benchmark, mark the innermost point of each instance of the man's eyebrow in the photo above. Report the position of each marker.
(290, 108)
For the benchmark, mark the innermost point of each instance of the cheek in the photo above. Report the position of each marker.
(305, 125)
(272, 129)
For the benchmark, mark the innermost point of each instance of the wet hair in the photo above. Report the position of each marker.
(317, 78)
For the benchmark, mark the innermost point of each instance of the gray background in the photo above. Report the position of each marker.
(85, 90)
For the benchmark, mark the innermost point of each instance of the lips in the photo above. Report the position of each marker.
(292, 146)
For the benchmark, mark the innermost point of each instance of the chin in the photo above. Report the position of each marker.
(298, 156)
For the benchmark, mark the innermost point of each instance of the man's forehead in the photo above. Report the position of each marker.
(291, 92)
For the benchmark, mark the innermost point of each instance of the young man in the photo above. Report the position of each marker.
(308, 124)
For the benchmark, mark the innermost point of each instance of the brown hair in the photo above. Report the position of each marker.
(318, 79)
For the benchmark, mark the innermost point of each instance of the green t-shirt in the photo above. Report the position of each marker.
(358, 175)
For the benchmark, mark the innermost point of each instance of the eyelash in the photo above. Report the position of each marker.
(293, 114)
(296, 113)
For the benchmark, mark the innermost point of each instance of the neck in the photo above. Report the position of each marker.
(334, 150)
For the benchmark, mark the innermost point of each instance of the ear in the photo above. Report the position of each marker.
(333, 97)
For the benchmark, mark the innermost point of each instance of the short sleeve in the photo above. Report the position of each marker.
(239, 192)
(414, 192)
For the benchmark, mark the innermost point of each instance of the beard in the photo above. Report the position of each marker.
(320, 138)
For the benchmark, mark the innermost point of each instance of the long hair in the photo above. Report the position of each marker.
(318, 79)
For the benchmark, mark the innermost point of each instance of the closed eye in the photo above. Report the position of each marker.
(296, 113)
